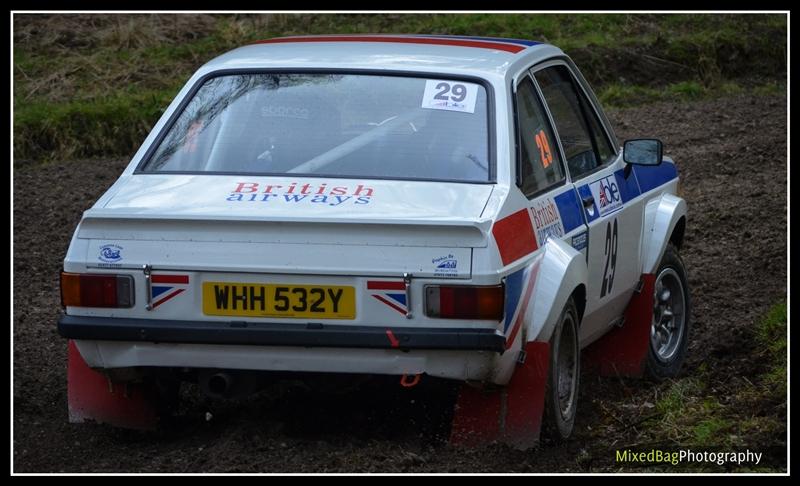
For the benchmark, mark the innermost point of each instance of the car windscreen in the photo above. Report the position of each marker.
(336, 125)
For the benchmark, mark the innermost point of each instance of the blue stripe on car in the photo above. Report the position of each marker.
(521, 42)
(514, 284)
(653, 176)
(628, 188)
(570, 209)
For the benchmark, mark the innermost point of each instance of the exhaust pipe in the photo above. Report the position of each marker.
(217, 384)
(227, 383)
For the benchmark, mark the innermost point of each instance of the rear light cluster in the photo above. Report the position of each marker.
(465, 302)
(86, 290)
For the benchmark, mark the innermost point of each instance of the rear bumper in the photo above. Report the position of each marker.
(279, 334)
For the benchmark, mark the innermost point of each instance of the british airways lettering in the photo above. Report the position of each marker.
(547, 221)
(300, 193)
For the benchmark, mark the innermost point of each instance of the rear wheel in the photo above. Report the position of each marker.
(669, 331)
(561, 394)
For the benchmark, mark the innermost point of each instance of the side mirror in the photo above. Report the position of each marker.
(645, 151)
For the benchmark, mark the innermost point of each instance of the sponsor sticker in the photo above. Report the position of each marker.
(110, 253)
(445, 266)
(606, 195)
(546, 221)
(450, 95)
(579, 241)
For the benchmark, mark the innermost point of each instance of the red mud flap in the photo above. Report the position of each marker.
(623, 351)
(512, 415)
(91, 396)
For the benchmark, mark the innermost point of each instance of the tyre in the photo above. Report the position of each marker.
(563, 376)
(669, 331)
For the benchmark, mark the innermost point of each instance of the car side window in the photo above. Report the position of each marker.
(585, 145)
(540, 162)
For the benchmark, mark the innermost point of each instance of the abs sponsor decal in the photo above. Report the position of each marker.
(389, 293)
(606, 195)
(296, 193)
(110, 254)
(165, 287)
(445, 266)
(546, 221)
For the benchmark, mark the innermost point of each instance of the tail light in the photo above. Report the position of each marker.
(465, 302)
(86, 290)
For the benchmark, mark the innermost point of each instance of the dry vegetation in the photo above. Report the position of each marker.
(93, 85)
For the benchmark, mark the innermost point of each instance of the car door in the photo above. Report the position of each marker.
(605, 190)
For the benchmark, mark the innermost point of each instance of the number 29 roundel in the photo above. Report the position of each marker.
(450, 95)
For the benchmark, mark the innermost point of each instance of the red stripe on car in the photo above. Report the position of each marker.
(172, 279)
(514, 236)
(386, 285)
(512, 48)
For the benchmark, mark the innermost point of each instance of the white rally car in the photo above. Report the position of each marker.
(456, 207)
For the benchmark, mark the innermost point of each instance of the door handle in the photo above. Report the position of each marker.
(588, 201)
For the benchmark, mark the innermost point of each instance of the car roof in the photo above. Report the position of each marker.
(483, 56)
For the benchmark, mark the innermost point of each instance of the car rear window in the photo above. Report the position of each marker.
(338, 125)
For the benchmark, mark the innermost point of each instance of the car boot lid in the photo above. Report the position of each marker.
(287, 199)
(235, 223)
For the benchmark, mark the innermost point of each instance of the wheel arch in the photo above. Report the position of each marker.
(676, 238)
(664, 222)
(562, 275)
(579, 297)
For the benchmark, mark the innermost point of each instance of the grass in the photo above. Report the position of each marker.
(709, 429)
(771, 335)
(119, 120)
(703, 412)
(619, 95)
(91, 85)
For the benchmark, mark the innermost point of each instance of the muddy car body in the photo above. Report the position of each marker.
(396, 205)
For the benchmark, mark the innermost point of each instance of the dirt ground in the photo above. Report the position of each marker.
(731, 153)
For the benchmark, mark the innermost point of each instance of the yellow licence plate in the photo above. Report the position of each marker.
(278, 300)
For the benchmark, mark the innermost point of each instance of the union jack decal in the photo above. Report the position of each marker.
(392, 294)
(603, 199)
(165, 287)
